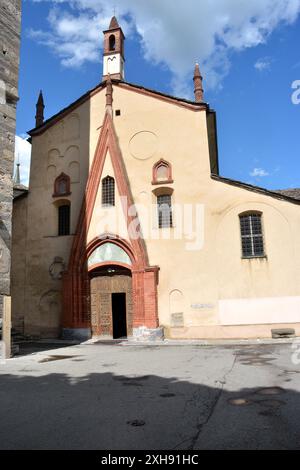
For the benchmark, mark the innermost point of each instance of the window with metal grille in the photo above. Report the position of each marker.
(108, 191)
(64, 220)
(164, 207)
(252, 235)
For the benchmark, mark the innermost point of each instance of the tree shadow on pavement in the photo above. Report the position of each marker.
(107, 411)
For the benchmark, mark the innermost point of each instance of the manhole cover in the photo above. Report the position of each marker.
(136, 422)
(239, 401)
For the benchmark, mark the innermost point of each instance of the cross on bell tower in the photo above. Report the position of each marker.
(113, 51)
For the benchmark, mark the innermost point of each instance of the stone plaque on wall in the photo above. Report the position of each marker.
(177, 319)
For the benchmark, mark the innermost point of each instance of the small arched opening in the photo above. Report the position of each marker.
(112, 42)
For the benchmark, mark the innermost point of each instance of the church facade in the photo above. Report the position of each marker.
(128, 229)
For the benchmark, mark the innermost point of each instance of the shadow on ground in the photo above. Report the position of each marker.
(107, 411)
(32, 347)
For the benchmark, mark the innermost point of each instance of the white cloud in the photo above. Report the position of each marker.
(259, 173)
(172, 32)
(263, 64)
(23, 155)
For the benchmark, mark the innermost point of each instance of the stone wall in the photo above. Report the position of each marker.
(10, 19)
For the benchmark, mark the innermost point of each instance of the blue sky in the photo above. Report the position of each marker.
(249, 56)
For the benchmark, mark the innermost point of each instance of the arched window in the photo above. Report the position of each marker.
(64, 213)
(108, 252)
(112, 42)
(62, 185)
(252, 235)
(162, 172)
(108, 191)
(164, 210)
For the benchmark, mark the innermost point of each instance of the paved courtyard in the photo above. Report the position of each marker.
(122, 396)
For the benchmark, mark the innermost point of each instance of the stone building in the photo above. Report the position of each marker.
(128, 228)
(10, 19)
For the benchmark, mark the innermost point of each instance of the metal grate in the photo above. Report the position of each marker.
(64, 220)
(252, 236)
(164, 207)
(108, 191)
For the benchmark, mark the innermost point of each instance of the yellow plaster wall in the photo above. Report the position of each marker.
(149, 129)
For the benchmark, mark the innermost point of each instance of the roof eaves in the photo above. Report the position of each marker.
(256, 189)
(18, 193)
(193, 104)
(83, 98)
(64, 111)
(292, 192)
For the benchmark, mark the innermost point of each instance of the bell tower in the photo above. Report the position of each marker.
(113, 51)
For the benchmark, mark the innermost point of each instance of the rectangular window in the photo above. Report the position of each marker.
(252, 236)
(164, 207)
(64, 220)
(108, 191)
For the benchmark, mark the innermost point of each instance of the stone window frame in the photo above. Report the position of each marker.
(62, 178)
(156, 166)
(164, 191)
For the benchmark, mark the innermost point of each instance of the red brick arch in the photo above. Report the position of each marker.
(116, 240)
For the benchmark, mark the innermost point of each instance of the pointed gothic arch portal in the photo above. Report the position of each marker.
(109, 267)
(115, 292)
(117, 288)
(76, 280)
